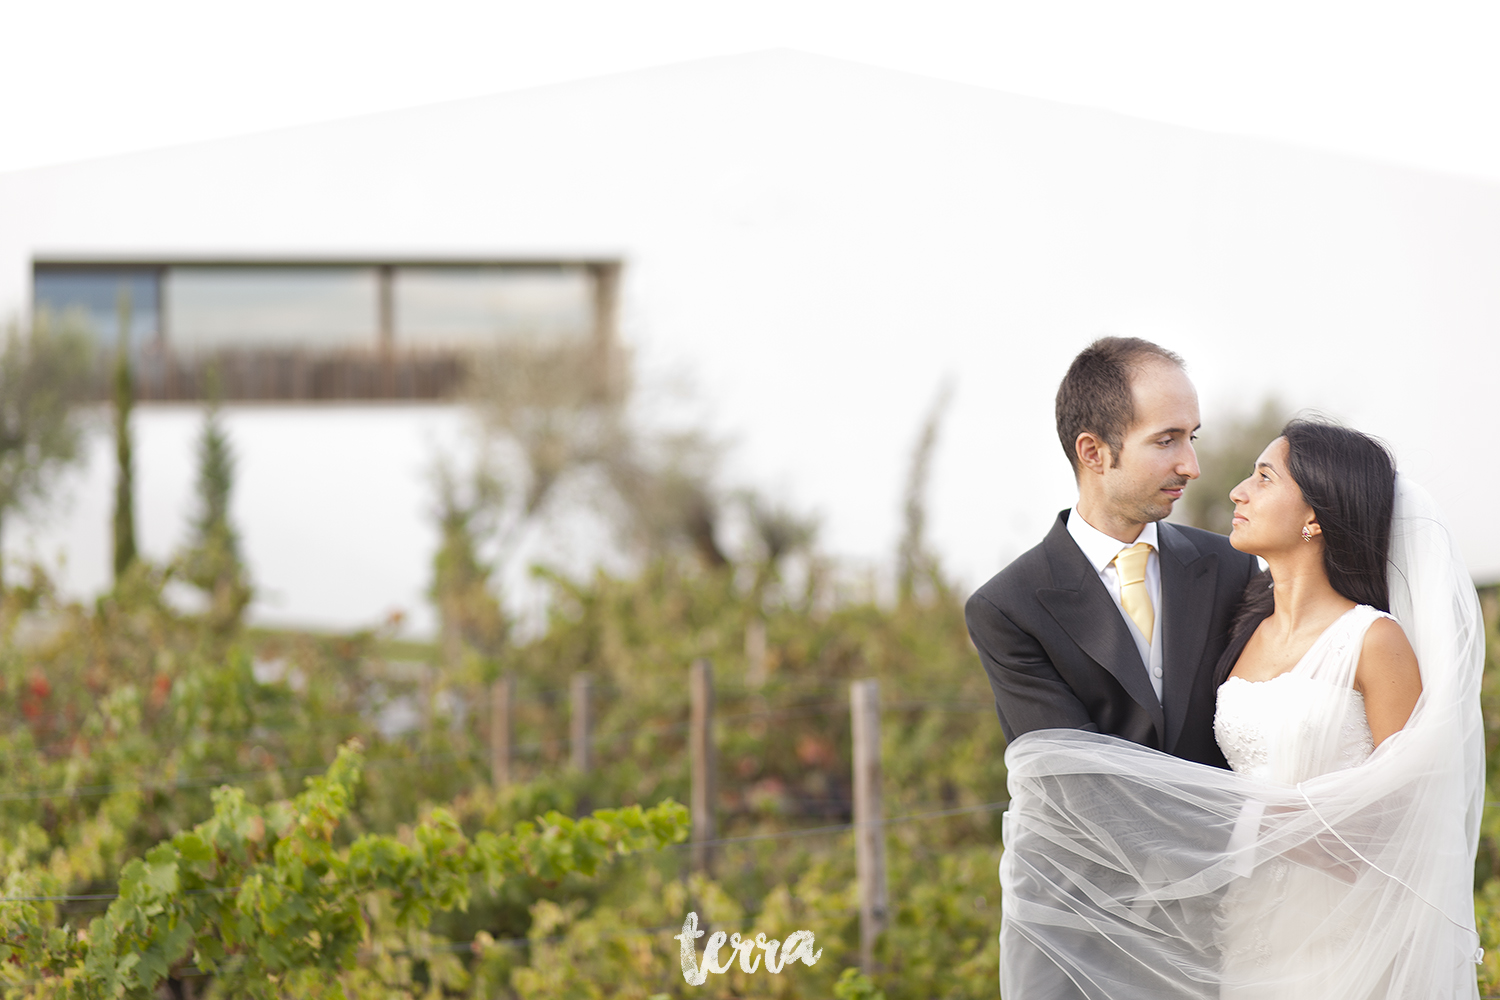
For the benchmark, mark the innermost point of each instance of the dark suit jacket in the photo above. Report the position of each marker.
(1059, 655)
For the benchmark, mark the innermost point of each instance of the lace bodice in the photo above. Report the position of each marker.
(1252, 714)
(1275, 729)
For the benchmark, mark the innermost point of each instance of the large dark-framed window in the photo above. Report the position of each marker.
(276, 328)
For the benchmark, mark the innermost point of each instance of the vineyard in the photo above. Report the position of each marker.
(192, 808)
(179, 823)
(176, 817)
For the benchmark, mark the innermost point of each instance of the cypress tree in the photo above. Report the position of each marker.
(212, 563)
(124, 523)
(215, 477)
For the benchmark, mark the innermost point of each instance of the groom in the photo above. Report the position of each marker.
(1115, 621)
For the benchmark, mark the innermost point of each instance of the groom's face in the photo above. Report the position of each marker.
(1156, 456)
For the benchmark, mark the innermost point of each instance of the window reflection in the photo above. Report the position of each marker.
(92, 296)
(473, 306)
(319, 329)
(317, 308)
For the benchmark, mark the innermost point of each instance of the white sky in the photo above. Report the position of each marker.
(1412, 82)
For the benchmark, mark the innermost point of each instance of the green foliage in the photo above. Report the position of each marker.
(158, 757)
(124, 386)
(132, 712)
(44, 372)
(558, 421)
(666, 501)
(470, 617)
(262, 895)
(215, 472)
(554, 406)
(1487, 864)
(777, 533)
(784, 763)
(855, 985)
(212, 560)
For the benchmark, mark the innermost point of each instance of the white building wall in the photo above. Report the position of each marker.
(818, 245)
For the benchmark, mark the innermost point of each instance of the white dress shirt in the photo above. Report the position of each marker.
(1100, 550)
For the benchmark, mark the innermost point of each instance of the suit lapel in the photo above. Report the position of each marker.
(1187, 594)
(1081, 605)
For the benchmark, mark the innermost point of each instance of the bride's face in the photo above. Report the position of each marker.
(1269, 511)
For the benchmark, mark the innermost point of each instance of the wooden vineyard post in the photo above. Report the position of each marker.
(701, 746)
(755, 653)
(581, 721)
(502, 702)
(869, 818)
(428, 693)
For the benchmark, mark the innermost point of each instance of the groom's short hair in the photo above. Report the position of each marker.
(1095, 395)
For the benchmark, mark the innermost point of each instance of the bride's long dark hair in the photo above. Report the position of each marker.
(1349, 480)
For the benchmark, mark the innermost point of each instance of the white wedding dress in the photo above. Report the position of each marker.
(1287, 929)
(1317, 868)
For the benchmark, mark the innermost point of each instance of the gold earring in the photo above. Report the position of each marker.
(1307, 532)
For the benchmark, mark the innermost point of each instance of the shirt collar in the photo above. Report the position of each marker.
(1100, 549)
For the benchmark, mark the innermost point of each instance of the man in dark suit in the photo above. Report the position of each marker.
(1077, 633)
(1115, 621)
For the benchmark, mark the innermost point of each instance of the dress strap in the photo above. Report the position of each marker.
(1370, 613)
(1334, 656)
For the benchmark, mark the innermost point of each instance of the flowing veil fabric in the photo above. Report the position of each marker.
(1129, 874)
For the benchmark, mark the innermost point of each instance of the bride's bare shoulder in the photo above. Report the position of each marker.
(1388, 677)
(1385, 641)
(1385, 649)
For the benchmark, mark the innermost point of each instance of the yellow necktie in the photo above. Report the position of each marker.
(1134, 598)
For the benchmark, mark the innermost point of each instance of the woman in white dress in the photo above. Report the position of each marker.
(1336, 859)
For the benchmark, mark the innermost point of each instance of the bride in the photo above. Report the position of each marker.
(1336, 859)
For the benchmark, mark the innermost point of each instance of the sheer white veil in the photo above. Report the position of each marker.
(1132, 874)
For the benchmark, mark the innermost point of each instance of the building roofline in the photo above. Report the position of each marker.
(131, 261)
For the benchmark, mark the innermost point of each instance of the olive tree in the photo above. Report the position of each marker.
(45, 372)
(561, 426)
